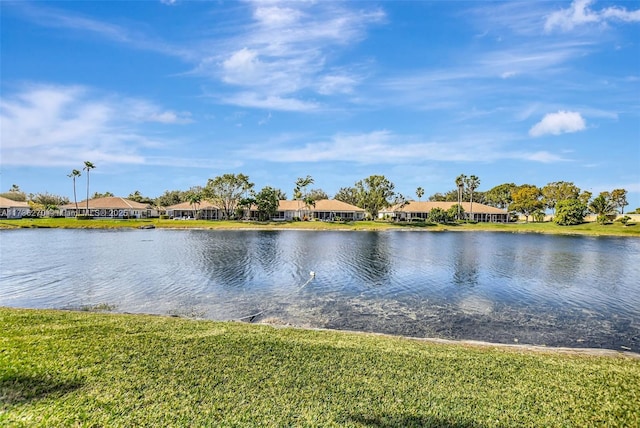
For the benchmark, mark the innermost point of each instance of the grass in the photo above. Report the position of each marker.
(90, 369)
(591, 229)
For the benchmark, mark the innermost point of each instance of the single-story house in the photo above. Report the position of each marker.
(110, 207)
(324, 209)
(13, 209)
(205, 210)
(415, 209)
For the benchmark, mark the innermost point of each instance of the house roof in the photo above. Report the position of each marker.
(112, 202)
(203, 205)
(321, 205)
(425, 207)
(10, 203)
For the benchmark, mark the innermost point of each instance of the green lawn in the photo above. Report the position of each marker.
(90, 369)
(593, 229)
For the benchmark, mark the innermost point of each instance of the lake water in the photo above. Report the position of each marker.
(499, 287)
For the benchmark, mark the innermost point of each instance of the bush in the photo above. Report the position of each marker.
(570, 212)
(84, 217)
(164, 217)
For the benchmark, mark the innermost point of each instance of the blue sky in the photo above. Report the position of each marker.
(162, 95)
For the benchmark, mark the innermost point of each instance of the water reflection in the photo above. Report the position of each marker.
(568, 291)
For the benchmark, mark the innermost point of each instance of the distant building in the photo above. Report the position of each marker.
(13, 209)
(324, 209)
(420, 210)
(205, 210)
(110, 207)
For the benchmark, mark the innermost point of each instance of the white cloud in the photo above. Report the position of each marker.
(579, 13)
(270, 102)
(558, 123)
(62, 125)
(385, 147)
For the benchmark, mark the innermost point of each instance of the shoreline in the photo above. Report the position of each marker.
(276, 324)
(546, 228)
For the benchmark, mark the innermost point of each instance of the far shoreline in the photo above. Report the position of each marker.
(615, 229)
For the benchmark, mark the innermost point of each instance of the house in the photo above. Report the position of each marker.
(13, 209)
(110, 207)
(420, 210)
(205, 210)
(324, 209)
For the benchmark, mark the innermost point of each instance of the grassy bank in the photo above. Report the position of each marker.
(591, 229)
(88, 369)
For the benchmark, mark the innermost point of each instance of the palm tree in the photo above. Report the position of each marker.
(75, 173)
(419, 192)
(300, 194)
(194, 200)
(460, 180)
(472, 183)
(88, 166)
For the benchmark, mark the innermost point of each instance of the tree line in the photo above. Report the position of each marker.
(234, 193)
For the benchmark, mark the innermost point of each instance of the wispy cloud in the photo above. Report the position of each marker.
(385, 147)
(56, 18)
(62, 125)
(558, 123)
(580, 14)
(286, 49)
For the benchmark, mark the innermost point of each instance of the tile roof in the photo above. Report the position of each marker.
(426, 206)
(112, 202)
(10, 203)
(321, 205)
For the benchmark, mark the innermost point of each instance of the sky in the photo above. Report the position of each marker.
(164, 95)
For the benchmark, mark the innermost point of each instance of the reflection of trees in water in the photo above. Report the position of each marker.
(466, 271)
(373, 259)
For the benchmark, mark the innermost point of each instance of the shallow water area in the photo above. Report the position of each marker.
(498, 287)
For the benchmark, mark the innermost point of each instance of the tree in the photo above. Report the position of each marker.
(570, 212)
(619, 199)
(557, 191)
(15, 194)
(226, 191)
(460, 182)
(585, 197)
(137, 197)
(455, 211)
(374, 193)
(106, 194)
(267, 201)
(48, 200)
(88, 166)
(194, 199)
(472, 182)
(438, 215)
(450, 196)
(500, 196)
(75, 174)
(419, 193)
(317, 194)
(348, 195)
(602, 207)
(300, 193)
(526, 200)
(170, 197)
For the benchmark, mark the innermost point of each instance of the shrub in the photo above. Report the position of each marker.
(84, 217)
(570, 212)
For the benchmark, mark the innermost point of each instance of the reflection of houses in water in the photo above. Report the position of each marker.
(420, 210)
(13, 209)
(109, 207)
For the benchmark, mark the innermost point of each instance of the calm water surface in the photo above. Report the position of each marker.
(536, 289)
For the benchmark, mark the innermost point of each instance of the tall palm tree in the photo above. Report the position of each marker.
(300, 194)
(194, 200)
(472, 183)
(88, 166)
(460, 181)
(419, 192)
(75, 173)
